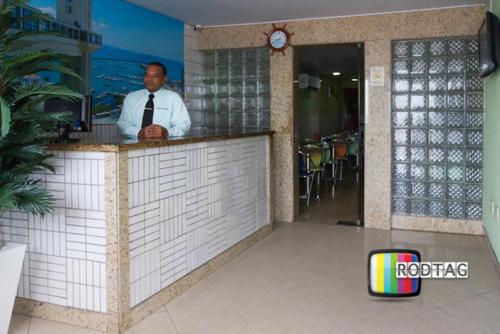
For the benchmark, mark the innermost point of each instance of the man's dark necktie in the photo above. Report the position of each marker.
(147, 118)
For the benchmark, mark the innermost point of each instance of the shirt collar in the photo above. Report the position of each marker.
(158, 92)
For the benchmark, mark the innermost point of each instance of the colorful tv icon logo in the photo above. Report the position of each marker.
(382, 280)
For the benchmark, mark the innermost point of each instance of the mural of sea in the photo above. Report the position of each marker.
(117, 72)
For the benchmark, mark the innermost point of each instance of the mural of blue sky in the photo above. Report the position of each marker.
(132, 36)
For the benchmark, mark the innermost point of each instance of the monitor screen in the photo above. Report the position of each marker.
(487, 40)
(81, 117)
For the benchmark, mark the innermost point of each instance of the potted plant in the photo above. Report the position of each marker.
(23, 140)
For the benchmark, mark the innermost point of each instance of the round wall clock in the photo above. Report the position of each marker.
(278, 39)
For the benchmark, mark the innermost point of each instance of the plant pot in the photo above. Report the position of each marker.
(11, 263)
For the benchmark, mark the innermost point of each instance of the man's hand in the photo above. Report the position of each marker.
(153, 131)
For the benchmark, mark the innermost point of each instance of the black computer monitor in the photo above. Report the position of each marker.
(489, 45)
(81, 111)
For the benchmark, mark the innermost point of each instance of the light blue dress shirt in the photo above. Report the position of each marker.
(169, 112)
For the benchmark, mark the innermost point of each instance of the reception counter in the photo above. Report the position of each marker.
(138, 222)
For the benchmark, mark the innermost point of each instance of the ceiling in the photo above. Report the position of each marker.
(231, 12)
(323, 60)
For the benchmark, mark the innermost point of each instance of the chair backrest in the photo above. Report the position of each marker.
(353, 148)
(340, 150)
(315, 159)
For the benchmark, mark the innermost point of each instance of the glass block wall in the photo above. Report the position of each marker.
(236, 92)
(437, 128)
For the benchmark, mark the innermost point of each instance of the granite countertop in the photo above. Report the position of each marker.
(125, 144)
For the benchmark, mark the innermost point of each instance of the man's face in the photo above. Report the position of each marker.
(154, 78)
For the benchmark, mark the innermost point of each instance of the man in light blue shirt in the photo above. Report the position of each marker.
(154, 112)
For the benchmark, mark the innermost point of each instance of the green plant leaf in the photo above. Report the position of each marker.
(5, 118)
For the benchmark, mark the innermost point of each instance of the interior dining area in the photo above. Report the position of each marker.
(331, 126)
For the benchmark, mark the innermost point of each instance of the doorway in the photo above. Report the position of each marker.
(329, 113)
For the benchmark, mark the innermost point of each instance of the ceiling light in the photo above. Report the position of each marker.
(336, 73)
(354, 79)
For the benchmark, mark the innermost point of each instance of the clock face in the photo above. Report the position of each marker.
(278, 39)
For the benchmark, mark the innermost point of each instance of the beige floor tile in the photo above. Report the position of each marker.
(19, 324)
(42, 326)
(493, 296)
(477, 312)
(158, 322)
(298, 323)
(435, 321)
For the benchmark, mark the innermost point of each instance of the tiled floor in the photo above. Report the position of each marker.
(311, 278)
(330, 209)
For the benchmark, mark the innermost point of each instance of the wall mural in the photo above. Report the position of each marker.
(109, 42)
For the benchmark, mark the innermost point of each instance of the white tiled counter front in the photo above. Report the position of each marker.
(134, 227)
(189, 203)
(65, 261)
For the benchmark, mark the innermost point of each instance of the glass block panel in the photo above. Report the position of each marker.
(437, 155)
(251, 55)
(235, 72)
(437, 83)
(418, 119)
(401, 137)
(456, 209)
(263, 88)
(400, 119)
(473, 211)
(401, 189)
(418, 189)
(236, 88)
(456, 101)
(475, 119)
(475, 101)
(418, 207)
(418, 66)
(418, 154)
(417, 101)
(455, 173)
(221, 57)
(474, 193)
(474, 174)
(401, 49)
(473, 64)
(456, 83)
(436, 119)
(418, 137)
(474, 83)
(437, 190)
(437, 173)
(418, 172)
(419, 48)
(400, 101)
(401, 84)
(401, 171)
(250, 71)
(250, 120)
(263, 102)
(456, 155)
(436, 101)
(401, 66)
(436, 137)
(250, 103)
(456, 46)
(437, 209)
(437, 65)
(472, 46)
(401, 206)
(475, 137)
(236, 120)
(474, 156)
(222, 105)
(250, 88)
(456, 191)
(456, 65)
(401, 154)
(455, 119)
(456, 137)
(235, 104)
(418, 84)
(437, 47)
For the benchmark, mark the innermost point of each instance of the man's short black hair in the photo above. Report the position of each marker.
(157, 63)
